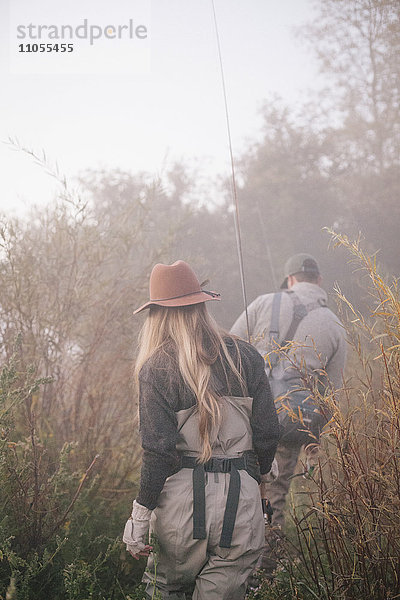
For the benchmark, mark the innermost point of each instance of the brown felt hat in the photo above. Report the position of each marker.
(175, 285)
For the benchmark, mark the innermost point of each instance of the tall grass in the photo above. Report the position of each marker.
(70, 277)
(346, 521)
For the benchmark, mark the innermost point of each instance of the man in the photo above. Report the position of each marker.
(316, 356)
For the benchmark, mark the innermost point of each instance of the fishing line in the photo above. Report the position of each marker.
(233, 182)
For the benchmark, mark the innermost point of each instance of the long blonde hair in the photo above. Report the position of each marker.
(199, 343)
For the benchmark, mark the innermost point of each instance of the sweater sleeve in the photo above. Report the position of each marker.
(264, 422)
(158, 428)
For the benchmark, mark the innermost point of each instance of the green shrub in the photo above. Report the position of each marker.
(59, 535)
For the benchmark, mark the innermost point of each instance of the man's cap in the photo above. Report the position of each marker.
(300, 263)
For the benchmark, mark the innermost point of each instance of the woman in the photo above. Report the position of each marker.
(209, 433)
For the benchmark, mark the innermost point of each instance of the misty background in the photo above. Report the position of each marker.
(313, 93)
(106, 175)
(173, 112)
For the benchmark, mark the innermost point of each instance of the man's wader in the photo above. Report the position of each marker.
(208, 523)
(294, 434)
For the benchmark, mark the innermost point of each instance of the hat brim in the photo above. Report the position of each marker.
(195, 298)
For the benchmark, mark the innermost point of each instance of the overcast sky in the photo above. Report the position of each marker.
(173, 110)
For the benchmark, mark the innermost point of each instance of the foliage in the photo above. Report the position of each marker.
(72, 274)
(55, 532)
(346, 532)
(357, 44)
(69, 449)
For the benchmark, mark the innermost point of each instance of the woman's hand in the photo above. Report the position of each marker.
(273, 473)
(145, 552)
(136, 531)
(268, 478)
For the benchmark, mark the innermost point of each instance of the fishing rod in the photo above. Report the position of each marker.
(265, 503)
(266, 244)
(233, 177)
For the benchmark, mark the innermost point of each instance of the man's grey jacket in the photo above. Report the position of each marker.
(320, 344)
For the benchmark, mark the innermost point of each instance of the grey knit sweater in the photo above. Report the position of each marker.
(163, 392)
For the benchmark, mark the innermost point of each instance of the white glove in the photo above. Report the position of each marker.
(136, 528)
(273, 473)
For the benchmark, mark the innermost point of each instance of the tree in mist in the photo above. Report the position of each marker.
(357, 43)
(332, 163)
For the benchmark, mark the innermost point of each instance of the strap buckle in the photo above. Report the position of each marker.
(218, 465)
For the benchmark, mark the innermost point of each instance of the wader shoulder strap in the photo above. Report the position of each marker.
(275, 312)
(299, 312)
(274, 328)
(218, 465)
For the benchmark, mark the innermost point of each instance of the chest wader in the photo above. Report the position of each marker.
(295, 432)
(218, 509)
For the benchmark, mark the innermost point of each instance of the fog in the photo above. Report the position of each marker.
(113, 165)
(105, 114)
(322, 153)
